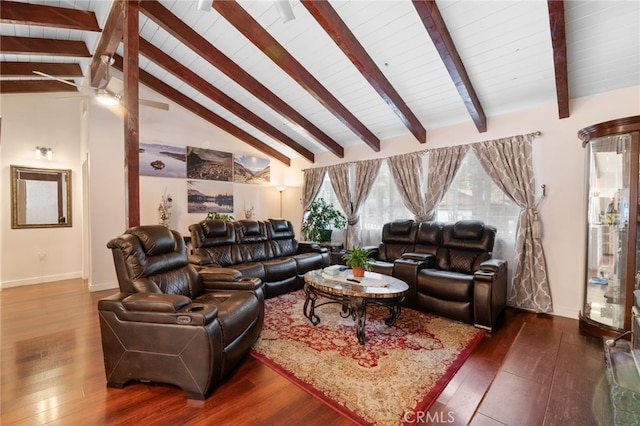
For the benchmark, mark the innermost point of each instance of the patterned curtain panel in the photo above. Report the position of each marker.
(509, 162)
(339, 177)
(444, 163)
(366, 173)
(312, 179)
(408, 176)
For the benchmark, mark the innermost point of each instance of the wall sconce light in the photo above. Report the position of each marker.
(42, 152)
(281, 189)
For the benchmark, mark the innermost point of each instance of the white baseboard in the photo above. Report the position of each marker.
(565, 312)
(40, 280)
(103, 286)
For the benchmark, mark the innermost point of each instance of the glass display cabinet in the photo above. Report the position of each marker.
(613, 259)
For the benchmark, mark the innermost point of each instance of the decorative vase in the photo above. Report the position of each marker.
(358, 271)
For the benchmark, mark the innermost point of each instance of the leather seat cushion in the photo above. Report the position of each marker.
(279, 269)
(251, 269)
(237, 311)
(446, 285)
(381, 267)
(306, 262)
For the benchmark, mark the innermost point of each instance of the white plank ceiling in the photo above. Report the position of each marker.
(505, 47)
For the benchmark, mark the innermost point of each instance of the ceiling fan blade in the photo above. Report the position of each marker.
(70, 83)
(154, 104)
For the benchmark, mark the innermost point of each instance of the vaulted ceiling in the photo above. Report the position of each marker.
(341, 73)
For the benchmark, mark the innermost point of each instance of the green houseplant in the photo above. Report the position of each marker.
(219, 216)
(358, 259)
(319, 216)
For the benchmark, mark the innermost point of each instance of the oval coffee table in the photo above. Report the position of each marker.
(354, 294)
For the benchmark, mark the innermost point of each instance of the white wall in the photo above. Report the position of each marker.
(560, 165)
(29, 121)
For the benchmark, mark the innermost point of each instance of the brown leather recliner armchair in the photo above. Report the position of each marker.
(170, 323)
(462, 281)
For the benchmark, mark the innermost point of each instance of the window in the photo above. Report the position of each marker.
(327, 193)
(473, 195)
(383, 205)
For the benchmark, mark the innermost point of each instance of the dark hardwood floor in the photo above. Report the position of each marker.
(535, 370)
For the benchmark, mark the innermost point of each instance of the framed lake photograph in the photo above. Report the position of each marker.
(161, 160)
(249, 169)
(209, 164)
(207, 196)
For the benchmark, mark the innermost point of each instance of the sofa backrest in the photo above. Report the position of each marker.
(398, 237)
(429, 237)
(282, 237)
(216, 239)
(153, 259)
(465, 244)
(253, 241)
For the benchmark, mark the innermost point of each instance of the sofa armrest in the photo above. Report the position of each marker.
(493, 265)
(154, 302)
(429, 259)
(158, 309)
(311, 247)
(200, 259)
(216, 274)
(489, 292)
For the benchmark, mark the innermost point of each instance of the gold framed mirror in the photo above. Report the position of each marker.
(40, 198)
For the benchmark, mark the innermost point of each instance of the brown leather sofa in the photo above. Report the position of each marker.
(264, 249)
(170, 323)
(449, 268)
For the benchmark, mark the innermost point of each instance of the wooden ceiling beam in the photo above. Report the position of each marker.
(34, 86)
(335, 27)
(559, 43)
(43, 46)
(194, 41)
(130, 72)
(251, 29)
(109, 40)
(437, 29)
(13, 12)
(201, 111)
(174, 67)
(26, 69)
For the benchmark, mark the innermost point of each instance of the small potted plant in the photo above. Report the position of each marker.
(358, 259)
(319, 216)
(219, 216)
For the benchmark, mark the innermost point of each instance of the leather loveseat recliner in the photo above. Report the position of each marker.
(170, 323)
(449, 268)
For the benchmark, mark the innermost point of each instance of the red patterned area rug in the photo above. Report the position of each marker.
(395, 376)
